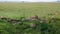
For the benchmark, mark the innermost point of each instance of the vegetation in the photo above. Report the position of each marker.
(46, 22)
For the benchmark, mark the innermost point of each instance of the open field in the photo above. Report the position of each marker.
(33, 25)
(14, 10)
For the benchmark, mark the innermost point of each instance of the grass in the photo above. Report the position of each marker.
(15, 10)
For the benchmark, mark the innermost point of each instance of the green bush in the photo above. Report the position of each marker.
(24, 28)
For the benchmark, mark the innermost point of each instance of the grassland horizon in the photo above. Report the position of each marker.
(38, 24)
(13, 10)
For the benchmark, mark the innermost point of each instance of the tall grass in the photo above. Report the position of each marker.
(13, 10)
(18, 10)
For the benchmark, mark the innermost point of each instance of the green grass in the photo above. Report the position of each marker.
(17, 10)
(14, 10)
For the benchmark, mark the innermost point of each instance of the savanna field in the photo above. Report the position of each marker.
(13, 18)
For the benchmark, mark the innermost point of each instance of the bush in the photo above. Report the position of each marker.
(48, 27)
